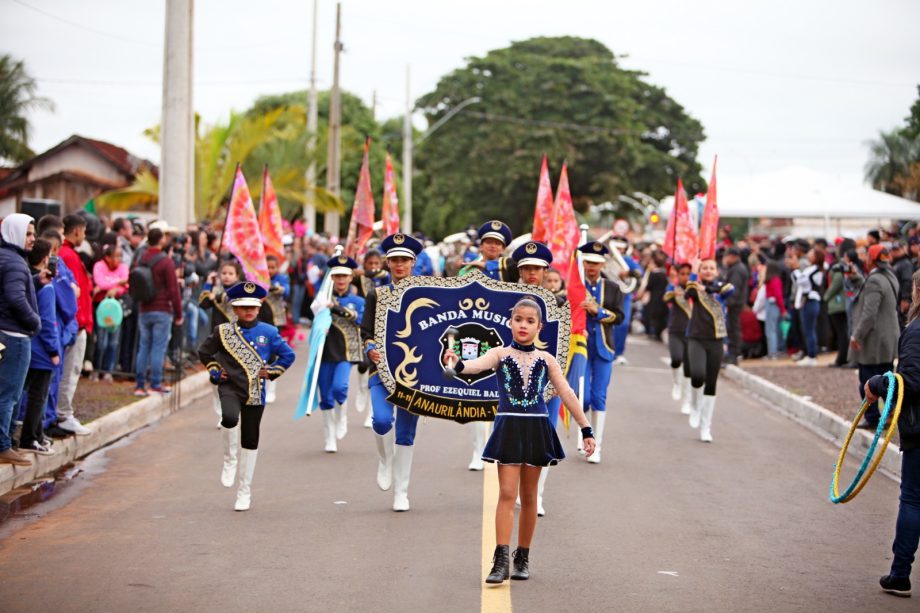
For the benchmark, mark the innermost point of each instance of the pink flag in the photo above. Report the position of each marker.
(563, 234)
(270, 219)
(361, 226)
(241, 232)
(543, 213)
(680, 240)
(709, 226)
(390, 213)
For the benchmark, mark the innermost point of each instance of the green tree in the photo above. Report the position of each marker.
(17, 98)
(894, 158)
(357, 123)
(566, 97)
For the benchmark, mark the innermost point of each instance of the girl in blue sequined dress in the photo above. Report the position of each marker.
(523, 440)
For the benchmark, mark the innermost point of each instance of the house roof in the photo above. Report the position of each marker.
(125, 162)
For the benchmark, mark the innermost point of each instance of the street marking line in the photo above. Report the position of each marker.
(495, 598)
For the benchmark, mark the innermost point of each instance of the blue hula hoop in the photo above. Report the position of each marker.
(889, 397)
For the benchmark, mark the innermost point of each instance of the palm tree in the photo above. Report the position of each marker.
(17, 97)
(217, 151)
(890, 160)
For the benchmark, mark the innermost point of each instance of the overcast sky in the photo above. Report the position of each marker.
(775, 83)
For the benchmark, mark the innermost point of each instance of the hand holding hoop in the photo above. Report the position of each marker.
(451, 359)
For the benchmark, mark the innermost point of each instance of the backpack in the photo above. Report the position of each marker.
(140, 281)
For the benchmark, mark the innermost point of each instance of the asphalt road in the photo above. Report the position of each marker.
(666, 523)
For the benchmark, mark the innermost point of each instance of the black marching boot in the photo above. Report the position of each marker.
(521, 564)
(500, 564)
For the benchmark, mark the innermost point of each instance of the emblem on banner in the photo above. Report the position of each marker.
(473, 341)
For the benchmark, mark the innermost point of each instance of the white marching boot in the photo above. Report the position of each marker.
(341, 421)
(271, 391)
(676, 388)
(329, 422)
(369, 420)
(706, 411)
(687, 395)
(540, 485)
(231, 438)
(695, 406)
(247, 468)
(220, 414)
(600, 418)
(478, 431)
(385, 451)
(402, 468)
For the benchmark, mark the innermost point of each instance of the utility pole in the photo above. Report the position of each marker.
(177, 152)
(374, 105)
(309, 208)
(333, 162)
(407, 161)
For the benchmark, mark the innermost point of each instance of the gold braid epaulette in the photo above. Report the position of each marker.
(247, 357)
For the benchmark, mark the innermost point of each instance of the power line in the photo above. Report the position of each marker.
(112, 83)
(86, 28)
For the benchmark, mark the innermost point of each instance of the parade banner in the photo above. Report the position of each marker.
(270, 219)
(709, 226)
(413, 324)
(390, 213)
(543, 212)
(361, 227)
(563, 235)
(241, 232)
(680, 238)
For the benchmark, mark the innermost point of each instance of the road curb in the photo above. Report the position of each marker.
(816, 418)
(106, 430)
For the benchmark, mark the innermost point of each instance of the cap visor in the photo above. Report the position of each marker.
(340, 270)
(246, 302)
(533, 262)
(495, 235)
(400, 252)
(593, 257)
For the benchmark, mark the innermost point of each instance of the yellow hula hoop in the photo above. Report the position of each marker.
(878, 457)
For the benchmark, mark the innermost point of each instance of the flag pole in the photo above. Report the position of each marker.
(674, 227)
(223, 232)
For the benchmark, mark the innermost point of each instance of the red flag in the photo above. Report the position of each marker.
(241, 232)
(563, 235)
(361, 226)
(543, 213)
(270, 219)
(390, 213)
(575, 291)
(680, 240)
(709, 226)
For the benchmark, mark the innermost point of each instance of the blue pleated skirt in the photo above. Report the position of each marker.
(523, 440)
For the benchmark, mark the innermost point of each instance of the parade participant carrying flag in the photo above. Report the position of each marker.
(390, 213)
(709, 226)
(241, 231)
(361, 227)
(543, 212)
(322, 321)
(270, 218)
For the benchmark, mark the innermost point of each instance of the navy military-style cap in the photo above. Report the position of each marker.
(246, 293)
(594, 252)
(495, 229)
(401, 245)
(532, 253)
(341, 265)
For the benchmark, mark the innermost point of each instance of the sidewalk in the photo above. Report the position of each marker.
(824, 400)
(105, 430)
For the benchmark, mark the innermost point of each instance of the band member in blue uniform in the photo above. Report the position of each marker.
(678, 320)
(603, 306)
(343, 348)
(621, 329)
(533, 260)
(706, 334)
(371, 275)
(240, 357)
(394, 450)
(494, 236)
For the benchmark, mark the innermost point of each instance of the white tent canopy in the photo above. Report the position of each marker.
(798, 192)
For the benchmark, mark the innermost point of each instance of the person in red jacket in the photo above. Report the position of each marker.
(157, 316)
(74, 234)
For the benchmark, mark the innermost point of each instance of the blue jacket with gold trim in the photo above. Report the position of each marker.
(242, 350)
(609, 299)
